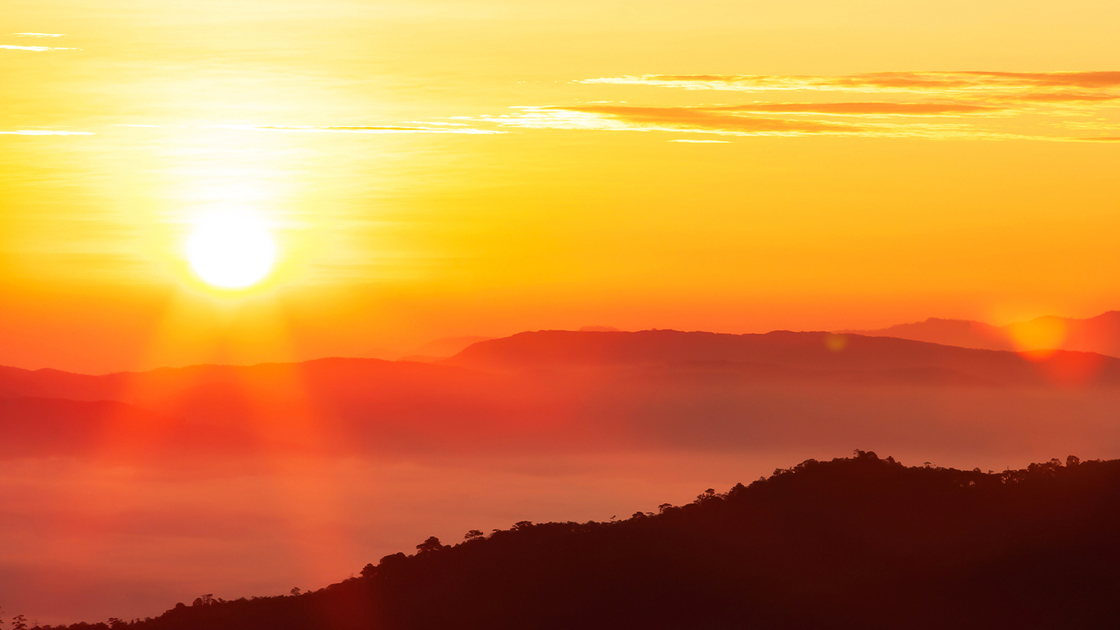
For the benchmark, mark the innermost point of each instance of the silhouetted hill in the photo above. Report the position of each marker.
(851, 543)
(1100, 334)
(580, 391)
(1095, 334)
(781, 355)
(803, 354)
(949, 332)
(18, 382)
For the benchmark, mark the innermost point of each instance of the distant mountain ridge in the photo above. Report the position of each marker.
(1100, 334)
(573, 391)
(818, 352)
(774, 354)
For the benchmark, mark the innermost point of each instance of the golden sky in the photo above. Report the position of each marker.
(435, 169)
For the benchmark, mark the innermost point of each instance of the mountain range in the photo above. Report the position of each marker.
(562, 390)
(1100, 334)
(378, 450)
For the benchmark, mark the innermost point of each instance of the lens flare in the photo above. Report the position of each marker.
(231, 250)
(1039, 338)
(835, 343)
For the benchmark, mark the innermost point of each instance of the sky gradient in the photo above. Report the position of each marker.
(428, 170)
(436, 169)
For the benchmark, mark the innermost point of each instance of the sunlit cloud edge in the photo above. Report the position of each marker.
(578, 118)
(920, 82)
(33, 48)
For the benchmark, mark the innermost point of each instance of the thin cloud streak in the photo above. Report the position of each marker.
(1058, 97)
(996, 105)
(676, 120)
(876, 81)
(865, 109)
(364, 130)
(46, 132)
(705, 119)
(33, 48)
(715, 121)
(39, 34)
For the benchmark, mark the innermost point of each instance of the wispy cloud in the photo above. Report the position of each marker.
(33, 48)
(443, 124)
(677, 119)
(955, 104)
(707, 119)
(45, 132)
(36, 48)
(366, 130)
(717, 120)
(1057, 97)
(877, 81)
(690, 141)
(865, 109)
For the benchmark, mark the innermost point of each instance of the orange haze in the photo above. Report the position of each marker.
(434, 173)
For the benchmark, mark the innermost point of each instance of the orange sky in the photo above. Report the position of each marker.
(443, 168)
(435, 169)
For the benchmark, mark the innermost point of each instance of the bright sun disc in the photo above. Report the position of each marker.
(231, 250)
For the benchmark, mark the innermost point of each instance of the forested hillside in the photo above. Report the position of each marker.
(860, 542)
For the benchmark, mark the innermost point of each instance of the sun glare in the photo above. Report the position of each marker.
(231, 250)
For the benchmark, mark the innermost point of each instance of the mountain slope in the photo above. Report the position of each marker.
(814, 351)
(851, 543)
(949, 332)
(1100, 334)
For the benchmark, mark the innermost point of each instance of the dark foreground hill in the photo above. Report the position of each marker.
(852, 543)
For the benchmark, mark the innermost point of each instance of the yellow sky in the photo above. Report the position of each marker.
(433, 169)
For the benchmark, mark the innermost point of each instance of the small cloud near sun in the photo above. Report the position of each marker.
(33, 48)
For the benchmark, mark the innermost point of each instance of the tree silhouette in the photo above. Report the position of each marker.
(429, 545)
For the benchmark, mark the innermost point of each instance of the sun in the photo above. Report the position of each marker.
(231, 250)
